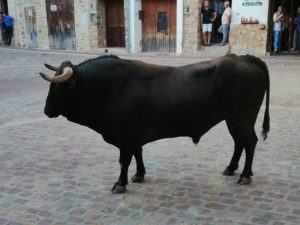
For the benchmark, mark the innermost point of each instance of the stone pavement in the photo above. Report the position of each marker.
(56, 172)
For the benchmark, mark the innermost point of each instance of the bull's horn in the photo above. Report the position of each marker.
(50, 67)
(67, 74)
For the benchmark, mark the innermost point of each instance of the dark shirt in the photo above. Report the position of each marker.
(2, 24)
(298, 22)
(207, 15)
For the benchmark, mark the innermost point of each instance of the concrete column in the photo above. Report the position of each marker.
(135, 26)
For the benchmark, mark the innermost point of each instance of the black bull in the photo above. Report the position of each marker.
(132, 103)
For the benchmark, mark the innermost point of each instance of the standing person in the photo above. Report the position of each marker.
(296, 37)
(285, 30)
(8, 20)
(219, 9)
(226, 18)
(278, 17)
(2, 27)
(208, 16)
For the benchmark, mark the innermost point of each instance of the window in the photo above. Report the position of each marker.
(162, 22)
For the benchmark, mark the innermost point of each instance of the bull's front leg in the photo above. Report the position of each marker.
(125, 159)
(140, 168)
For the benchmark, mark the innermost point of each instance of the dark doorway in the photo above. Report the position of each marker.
(159, 25)
(3, 6)
(115, 26)
(60, 16)
(218, 6)
(286, 35)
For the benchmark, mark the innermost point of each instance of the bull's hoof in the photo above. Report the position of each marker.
(244, 181)
(228, 172)
(137, 179)
(118, 189)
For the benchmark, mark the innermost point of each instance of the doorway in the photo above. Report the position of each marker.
(115, 25)
(60, 17)
(286, 36)
(3, 6)
(158, 25)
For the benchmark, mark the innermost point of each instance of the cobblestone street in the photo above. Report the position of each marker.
(56, 172)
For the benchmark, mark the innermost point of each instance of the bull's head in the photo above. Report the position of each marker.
(60, 91)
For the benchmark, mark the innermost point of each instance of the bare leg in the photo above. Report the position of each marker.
(205, 37)
(209, 37)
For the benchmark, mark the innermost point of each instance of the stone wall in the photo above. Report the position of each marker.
(248, 39)
(101, 24)
(85, 30)
(16, 8)
(191, 26)
(126, 23)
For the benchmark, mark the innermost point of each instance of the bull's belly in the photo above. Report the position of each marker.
(193, 130)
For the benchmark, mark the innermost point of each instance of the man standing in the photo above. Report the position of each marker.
(2, 27)
(219, 9)
(296, 37)
(8, 20)
(208, 16)
(226, 18)
(277, 19)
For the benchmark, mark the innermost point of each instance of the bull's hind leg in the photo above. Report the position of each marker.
(249, 149)
(239, 145)
(140, 168)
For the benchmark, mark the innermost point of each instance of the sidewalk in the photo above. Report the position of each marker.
(205, 52)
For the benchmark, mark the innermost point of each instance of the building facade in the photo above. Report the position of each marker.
(134, 26)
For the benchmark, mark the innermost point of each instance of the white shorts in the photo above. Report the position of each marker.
(207, 27)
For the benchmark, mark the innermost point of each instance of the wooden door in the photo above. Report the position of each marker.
(159, 25)
(115, 26)
(31, 28)
(60, 16)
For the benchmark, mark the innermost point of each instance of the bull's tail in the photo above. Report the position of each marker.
(263, 66)
(266, 122)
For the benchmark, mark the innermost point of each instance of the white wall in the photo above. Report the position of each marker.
(243, 8)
